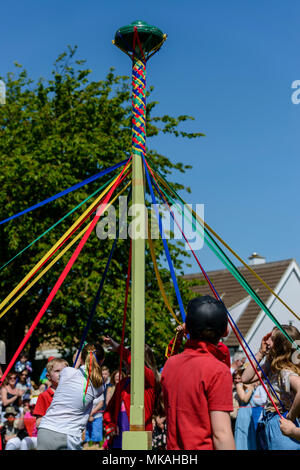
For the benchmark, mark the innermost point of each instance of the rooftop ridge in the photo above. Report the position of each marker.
(255, 267)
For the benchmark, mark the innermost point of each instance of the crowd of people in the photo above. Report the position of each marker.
(200, 399)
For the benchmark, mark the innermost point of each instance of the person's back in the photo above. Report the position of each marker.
(68, 411)
(194, 383)
(65, 420)
(197, 384)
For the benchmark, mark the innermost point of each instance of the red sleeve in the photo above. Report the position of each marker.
(219, 390)
(225, 350)
(41, 405)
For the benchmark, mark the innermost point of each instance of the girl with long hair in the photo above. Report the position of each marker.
(65, 420)
(283, 373)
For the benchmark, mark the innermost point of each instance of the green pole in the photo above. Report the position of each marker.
(138, 40)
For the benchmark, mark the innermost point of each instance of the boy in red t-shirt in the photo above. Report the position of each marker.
(197, 384)
(54, 367)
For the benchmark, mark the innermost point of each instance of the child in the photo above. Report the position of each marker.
(284, 376)
(30, 442)
(54, 368)
(117, 414)
(24, 383)
(244, 432)
(65, 420)
(23, 364)
(197, 384)
(94, 427)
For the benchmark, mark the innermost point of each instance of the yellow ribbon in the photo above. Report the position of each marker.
(41, 274)
(25, 279)
(159, 281)
(173, 346)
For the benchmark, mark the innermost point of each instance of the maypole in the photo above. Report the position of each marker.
(139, 41)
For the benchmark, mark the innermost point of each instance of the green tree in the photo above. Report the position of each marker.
(53, 134)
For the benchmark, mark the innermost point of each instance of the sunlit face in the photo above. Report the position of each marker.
(54, 374)
(237, 379)
(23, 377)
(105, 374)
(12, 380)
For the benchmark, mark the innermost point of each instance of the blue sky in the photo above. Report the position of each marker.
(230, 65)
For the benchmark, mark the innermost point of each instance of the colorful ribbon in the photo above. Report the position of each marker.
(57, 245)
(66, 191)
(180, 303)
(63, 275)
(234, 271)
(41, 274)
(158, 278)
(230, 319)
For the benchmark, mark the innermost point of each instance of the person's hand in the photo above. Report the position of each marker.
(180, 330)
(108, 341)
(264, 348)
(289, 417)
(91, 418)
(287, 427)
(78, 362)
(21, 392)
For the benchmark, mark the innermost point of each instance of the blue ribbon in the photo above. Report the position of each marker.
(66, 191)
(235, 325)
(165, 245)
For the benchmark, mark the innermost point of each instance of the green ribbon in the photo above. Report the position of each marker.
(224, 258)
(57, 223)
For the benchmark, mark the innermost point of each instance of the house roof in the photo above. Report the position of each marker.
(231, 291)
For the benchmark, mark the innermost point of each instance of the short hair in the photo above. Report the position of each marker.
(56, 360)
(238, 356)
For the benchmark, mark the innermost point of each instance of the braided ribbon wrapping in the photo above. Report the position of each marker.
(139, 107)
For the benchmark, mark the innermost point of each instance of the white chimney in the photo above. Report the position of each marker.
(255, 258)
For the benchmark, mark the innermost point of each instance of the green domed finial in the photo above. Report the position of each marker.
(139, 39)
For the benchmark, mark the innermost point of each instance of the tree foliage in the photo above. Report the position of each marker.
(53, 134)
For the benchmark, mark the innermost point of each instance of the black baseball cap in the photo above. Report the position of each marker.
(206, 313)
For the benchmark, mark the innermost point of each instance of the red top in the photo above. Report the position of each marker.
(175, 343)
(194, 383)
(43, 402)
(109, 416)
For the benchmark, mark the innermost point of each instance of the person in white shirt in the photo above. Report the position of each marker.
(62, 426)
